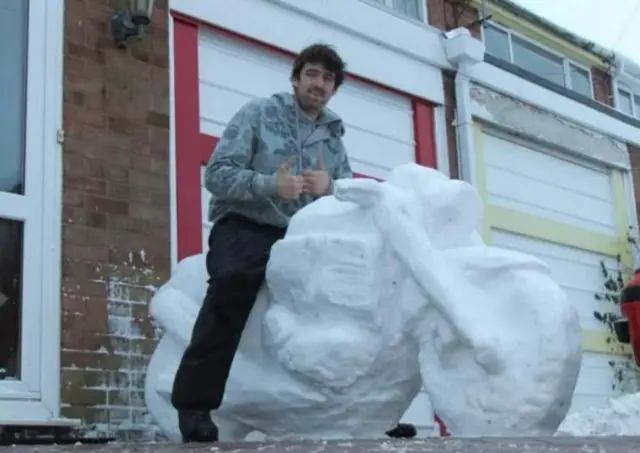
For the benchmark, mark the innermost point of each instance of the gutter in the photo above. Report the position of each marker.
(619, 62)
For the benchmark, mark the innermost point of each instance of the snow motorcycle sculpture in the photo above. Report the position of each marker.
(375, 292)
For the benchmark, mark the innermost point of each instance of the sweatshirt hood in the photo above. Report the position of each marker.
(328, 117)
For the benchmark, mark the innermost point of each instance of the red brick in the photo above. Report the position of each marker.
(449, 14)
(602, 86)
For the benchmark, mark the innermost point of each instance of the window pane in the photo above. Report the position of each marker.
(13, 54)
(10, 297)
(410, 8)
(580, 80)
(624, 101)
(636, 101)
(496, 42)
(537, 61)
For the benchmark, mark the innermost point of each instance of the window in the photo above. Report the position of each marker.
(628, 102)
(534, 58)
(409, 8)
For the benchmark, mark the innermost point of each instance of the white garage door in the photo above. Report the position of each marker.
(379, 124)
(562, 212)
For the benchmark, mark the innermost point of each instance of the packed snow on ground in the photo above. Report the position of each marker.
(617, 417)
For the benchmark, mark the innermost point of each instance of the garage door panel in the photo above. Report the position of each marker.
(214, 116)
(504, 153)
(543, 199)
(541, 184)
(359, 104)
(385, 153)
(595, 382)
(578, 272)
(228, 61)
(379, 123)
(370, 109)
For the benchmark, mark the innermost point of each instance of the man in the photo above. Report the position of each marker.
(275, 156)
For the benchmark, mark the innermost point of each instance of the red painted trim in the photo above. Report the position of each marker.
(187, 130)
(207, 145)
(442, 428)
(424, 133)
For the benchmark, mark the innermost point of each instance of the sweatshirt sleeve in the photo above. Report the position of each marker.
(228, 174)
(343, 171)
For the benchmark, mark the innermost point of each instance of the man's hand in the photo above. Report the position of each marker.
(289, 186)
(316, 182)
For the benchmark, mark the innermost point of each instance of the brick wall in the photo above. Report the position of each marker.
(449, 14)
(115, 215)
(602, 86)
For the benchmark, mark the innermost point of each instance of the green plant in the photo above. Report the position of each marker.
(625, 373)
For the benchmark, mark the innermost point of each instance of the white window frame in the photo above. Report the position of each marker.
(388, 7)
(566, 62)
(620, 87)
(629, 86)
(36, 396)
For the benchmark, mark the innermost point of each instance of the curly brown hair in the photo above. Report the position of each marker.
(324, 55)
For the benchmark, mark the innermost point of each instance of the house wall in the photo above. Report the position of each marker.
(116, 178)
(504, 104)
(115, 215)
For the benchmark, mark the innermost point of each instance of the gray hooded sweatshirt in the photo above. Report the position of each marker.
(262, 135)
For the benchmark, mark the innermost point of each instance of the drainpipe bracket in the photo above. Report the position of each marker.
(462, 49)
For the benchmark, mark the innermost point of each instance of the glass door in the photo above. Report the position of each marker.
(21, 194)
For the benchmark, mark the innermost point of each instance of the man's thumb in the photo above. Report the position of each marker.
(286, 166)
(320, 162)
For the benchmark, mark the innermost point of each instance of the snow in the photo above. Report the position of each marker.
(617, 417)
(375, 292)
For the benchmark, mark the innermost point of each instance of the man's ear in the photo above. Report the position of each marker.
(295, 82)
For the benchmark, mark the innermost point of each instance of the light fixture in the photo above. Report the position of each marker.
(131, 21)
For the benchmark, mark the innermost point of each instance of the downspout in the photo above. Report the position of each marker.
(464, 52)
(464, 123)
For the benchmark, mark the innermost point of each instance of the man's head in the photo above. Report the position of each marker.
(317, 73)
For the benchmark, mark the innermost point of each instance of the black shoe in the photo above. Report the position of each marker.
(197, 426)
(403, 431)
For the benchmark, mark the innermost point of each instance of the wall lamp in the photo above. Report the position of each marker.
(131, 21)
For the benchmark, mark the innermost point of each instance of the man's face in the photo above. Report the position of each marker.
(315, 87)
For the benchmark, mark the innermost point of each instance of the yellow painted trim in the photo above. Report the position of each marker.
(481, 179)
(603, 342)
(622, 217)
(549, 230)
(541, 228)
(542, 36)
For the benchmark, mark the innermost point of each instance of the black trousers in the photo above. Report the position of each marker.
(236, 262)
